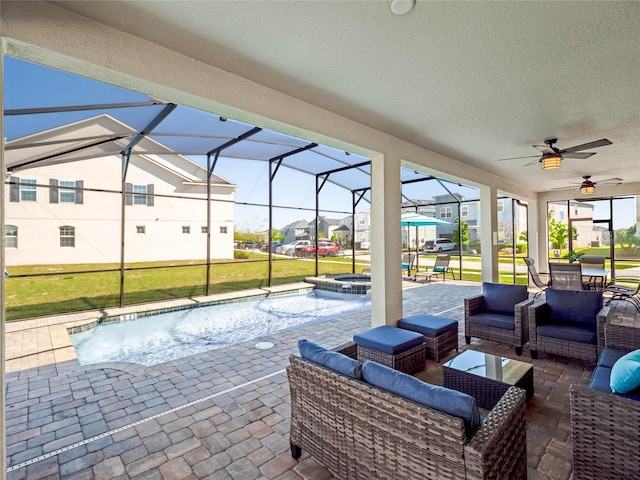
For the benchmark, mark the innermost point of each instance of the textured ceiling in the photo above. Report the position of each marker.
(477, 81)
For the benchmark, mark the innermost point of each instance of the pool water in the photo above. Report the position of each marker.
(160, 338)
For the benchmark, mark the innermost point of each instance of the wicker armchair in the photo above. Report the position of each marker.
(499, 314)
(358, 431)
(568, 323)
(605, 427)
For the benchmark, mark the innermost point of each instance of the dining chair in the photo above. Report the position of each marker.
(622, 290)
(590, 261)
(408, 261)
(565, 276)
(535, 276)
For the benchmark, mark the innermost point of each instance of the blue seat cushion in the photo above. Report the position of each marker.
(574, 306)
(569, 331)
(495, 320)
(601, 379)
(609, 356)
(439, 269)
(502, 298)
(439, 398)
(330, 359)
(388, 339)
(429, 325)
(625, 373)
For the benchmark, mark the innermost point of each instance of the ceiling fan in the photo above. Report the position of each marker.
(552, 156)
(587, 186)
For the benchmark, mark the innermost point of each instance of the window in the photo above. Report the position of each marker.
(139, 194)
(186, 229)
(67, 236)
(500, 206)
(223, 230)
(204, 229)
(10, 236)
(140, 229)
(575, 210)
(464, 210)
(67, 195)
(28, 193)
(446, 212)
(561, 215)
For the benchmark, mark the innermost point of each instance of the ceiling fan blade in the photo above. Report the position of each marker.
(544, 148)
(531, 163)
(585, 146)
(582, 155)
(565, 188)
(518, 158)
(609, 181)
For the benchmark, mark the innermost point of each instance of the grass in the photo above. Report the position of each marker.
(57, 289)
(69, 288)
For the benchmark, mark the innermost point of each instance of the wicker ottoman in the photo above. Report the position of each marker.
(440, 333)
(394, 347)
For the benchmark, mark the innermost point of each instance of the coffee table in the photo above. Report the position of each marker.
(487, 377)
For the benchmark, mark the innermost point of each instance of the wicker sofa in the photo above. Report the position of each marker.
(605, 426)
(359, 431)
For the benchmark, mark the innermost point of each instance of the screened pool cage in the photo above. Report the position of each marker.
(144, 200)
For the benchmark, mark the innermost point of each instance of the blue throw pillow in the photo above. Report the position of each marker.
(438, 269)
(330, 359)
(502, 298)
(625, 373)
(439, 398)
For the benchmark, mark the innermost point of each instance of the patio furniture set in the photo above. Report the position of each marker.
(384, 423)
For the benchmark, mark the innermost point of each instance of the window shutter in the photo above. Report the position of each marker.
(150, 195)
(14, 189)
(79, 192)
(128, 196)
(53, 190)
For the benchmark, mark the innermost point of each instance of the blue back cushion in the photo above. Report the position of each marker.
(502, 298)
(443, 399)
(574, 306)
(330, 359)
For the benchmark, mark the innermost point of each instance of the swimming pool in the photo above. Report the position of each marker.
(163, 337)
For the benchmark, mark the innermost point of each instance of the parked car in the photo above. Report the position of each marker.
(290, 248)
(439, 245)
(365, 245)
(325, 248)
(274, 246)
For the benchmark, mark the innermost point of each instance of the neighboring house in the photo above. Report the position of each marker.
(69, 212)
(581, 215)
(326, 226)
(298, 230)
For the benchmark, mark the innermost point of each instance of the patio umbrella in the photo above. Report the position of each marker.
(419, 220)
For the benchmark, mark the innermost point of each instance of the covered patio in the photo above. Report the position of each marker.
(484, 82)
(225, 413)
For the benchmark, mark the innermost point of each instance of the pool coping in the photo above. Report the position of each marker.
(40, 341)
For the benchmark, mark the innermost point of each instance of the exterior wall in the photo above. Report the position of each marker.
(97, 219)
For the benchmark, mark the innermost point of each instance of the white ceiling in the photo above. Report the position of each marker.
(476, 81)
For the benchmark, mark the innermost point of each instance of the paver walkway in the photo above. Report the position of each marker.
(224, 414)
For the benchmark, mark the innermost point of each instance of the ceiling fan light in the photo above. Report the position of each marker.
(587, 189)
(551, 161)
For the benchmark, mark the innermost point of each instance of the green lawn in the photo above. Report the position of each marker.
(69, 288)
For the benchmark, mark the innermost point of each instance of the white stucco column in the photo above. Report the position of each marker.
(489, 233)
(3, 437)
(386, 245)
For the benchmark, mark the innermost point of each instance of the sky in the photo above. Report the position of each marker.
(27, 85)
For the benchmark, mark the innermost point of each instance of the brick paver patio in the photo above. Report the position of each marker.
(224, 414)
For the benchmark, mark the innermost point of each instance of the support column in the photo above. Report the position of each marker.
(489, 233)
(386, 248)
(3, 436)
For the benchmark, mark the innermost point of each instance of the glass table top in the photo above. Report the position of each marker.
(489, 366)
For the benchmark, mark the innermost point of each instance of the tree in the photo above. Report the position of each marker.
(627, 239)
(461, 234)
(524, 236)
(276, 236)
(559, 232)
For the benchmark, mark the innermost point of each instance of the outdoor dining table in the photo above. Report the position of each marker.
(596, 273)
